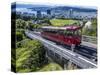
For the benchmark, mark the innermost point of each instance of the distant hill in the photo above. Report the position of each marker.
(44, 7)
(75, 8)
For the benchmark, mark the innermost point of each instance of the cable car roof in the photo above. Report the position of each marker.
(72, 27)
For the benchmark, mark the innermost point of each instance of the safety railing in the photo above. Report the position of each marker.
(90, 39)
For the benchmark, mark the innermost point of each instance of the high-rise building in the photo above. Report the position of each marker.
(39, 14)
(71, 13)
(48, 12)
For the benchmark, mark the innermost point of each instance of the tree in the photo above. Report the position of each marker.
(30, 25)
(19, 36)
(20, 24)
(30, 56)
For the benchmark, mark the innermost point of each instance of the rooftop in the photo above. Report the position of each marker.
(71, 27)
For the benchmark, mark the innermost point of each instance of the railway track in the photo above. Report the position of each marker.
(76, 58)
(88, 52)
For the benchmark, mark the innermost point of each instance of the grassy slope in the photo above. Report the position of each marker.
(51, 67)
(61, 22)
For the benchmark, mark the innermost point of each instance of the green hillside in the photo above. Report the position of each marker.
(61, 22)
(51, 67)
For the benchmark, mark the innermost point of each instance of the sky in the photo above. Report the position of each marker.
(51, 4)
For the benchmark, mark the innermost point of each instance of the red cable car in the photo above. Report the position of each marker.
(69, 35)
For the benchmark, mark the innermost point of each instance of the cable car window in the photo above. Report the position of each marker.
(80, 32)
(77, 33)
(61, 32)
(69, 33)
(65, 32)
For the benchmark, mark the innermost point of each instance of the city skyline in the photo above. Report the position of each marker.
(64, 11)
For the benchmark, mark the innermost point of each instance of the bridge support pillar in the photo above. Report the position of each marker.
(65, 66)
(75, 67)
(70, 65)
